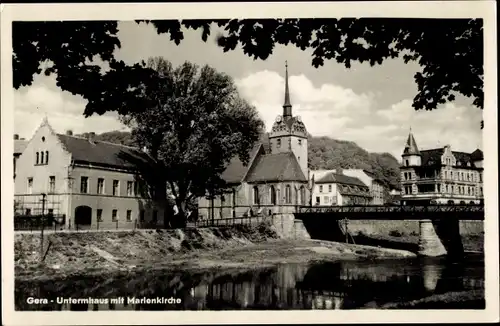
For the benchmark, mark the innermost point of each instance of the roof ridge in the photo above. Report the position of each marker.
(100, 141)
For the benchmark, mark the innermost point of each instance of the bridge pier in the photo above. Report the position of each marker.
(429, 243)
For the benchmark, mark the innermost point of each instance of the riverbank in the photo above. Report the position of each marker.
(473, 299)
(240, 246)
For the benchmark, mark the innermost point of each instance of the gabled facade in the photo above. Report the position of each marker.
(274, 181)
(339, 189)
(93, 184)
(376, 186)
(441, 175)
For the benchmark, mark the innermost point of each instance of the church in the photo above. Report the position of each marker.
(275, 180)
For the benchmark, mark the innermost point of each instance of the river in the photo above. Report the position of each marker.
(325, 285)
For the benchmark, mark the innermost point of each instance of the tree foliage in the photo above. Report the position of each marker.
(450, 52)
(193, 124)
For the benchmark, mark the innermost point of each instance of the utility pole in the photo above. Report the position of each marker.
(43, 226)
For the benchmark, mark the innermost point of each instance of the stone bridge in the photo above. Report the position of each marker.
(438, 225)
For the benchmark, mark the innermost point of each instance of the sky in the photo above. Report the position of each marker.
(368, 105)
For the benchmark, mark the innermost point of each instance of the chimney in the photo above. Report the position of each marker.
(16, 137)
(91, 137)
(69, 132)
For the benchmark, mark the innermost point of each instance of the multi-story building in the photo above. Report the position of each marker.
(19, 146)
(376, 186)
(94, 184)
(338, 189)
(441, 175)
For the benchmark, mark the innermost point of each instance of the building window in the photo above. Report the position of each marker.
(320, 188)
(130, 188)
(129, 215)
(302, 195)
(407, 163)
(278, 142)
(116, 188)
(41, 157)
(142, 215)
(100, 186)
(50, 212)
(256, 200)
(99, 215)
(30, 186)
(325, 199)
(37, 158)
(52, 184)
(329, 188)
(446, 174)
(300, 141)
(84, 185)
(288, 194)
(472, 191)
(28, 211)
(114, 215)
(317, 200)
(155, 216)
(438, 188)
(273, 195)
(46, 157)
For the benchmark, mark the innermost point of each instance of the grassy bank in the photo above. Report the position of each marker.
(451, 300)
(242, 246)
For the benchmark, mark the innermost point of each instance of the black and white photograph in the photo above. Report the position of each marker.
(207, 157)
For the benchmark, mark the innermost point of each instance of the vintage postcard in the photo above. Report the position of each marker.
(219, 163)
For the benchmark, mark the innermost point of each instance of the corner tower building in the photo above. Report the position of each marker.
(440, 175)
(288, 133)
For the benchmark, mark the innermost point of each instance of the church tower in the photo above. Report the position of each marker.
(411, 155)
(288, 133)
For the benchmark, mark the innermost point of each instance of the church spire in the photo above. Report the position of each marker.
(411, 146)
(287, 106)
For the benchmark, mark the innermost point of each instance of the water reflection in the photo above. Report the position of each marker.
(338, 285)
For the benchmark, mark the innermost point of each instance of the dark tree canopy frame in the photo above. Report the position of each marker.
(450, 52)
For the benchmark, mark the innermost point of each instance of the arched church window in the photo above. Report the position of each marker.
(302, 195)
(288, 194)
(256, 200)
(273, 195)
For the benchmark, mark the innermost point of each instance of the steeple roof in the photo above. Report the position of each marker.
(287, 106)
(411, 146)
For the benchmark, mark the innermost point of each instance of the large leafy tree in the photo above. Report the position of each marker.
(450, 52)
(192, 122)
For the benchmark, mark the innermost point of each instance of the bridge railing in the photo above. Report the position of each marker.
(407, 209)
